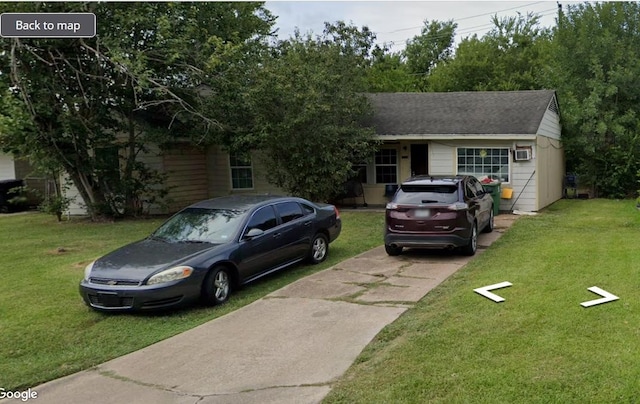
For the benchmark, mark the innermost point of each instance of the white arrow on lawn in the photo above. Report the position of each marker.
(606, 297)
(484, 291)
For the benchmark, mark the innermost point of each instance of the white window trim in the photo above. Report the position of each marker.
(374, 165)
(250, 166)
(509, 157)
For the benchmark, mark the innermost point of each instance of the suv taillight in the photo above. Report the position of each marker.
(458, 206)
(392, 206)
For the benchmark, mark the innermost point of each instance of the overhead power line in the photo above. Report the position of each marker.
(466, 31)
(468, 18)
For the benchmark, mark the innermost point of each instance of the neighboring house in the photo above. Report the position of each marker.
(196, 173)
(510, 135)
(18, 169)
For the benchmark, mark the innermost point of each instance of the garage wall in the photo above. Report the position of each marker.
(551, 170)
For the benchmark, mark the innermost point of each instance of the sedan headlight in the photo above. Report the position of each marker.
(87, 270)
(170, 274)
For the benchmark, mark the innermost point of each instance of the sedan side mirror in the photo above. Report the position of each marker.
(253, 233)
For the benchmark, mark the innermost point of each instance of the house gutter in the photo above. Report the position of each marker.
(456, 136)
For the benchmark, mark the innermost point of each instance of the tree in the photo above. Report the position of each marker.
(596, 54)
(511, 56)
(92, 102)
(310, 110)
(388, 72)
(433, 47)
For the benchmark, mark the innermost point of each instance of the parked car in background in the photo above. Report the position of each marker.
(438, 212)
(206, 250)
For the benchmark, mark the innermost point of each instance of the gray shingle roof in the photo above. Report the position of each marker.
(463, 113)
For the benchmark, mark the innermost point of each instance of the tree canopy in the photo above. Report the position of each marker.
(511, 56)
(311, 111)
(432, 48)
(138, 80)
(596, 69)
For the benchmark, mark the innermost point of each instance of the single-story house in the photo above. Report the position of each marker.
(512, 136)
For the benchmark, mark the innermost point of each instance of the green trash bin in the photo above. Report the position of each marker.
(494, 190)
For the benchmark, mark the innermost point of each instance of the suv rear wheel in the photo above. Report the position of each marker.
(470, 249)
(393, 250)
(489, 227)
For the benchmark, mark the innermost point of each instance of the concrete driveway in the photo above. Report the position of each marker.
(287, 347)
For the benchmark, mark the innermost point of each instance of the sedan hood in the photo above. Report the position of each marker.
(141, 259)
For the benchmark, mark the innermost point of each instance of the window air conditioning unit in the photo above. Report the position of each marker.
(522, 154)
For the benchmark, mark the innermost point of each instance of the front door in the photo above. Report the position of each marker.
(419, 165)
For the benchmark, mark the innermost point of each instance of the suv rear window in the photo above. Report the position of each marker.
(421, 194)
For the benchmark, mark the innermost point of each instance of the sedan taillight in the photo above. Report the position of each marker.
(337, 212)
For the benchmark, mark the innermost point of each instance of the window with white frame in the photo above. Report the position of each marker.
(479, 161)
(386, 165)
(241, 171)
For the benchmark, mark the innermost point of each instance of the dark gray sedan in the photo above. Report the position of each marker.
(207, 249)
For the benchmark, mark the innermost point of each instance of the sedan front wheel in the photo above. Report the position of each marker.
(217, 286)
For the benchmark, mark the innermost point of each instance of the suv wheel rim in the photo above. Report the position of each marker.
(474, 238)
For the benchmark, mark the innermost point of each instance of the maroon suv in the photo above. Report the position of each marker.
(438, 212)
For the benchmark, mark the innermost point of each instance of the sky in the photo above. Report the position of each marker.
(394, 22)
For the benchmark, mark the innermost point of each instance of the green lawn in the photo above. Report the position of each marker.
(540, 345)
(46, 331)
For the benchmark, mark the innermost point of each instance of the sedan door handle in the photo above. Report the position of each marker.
(277, 235)
(307, 223)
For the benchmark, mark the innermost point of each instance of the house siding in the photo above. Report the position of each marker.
(36, 183)
(76, 203)
(550, 164)
(550, 125)
(523, 182)
(219, 182)
(7, 167)
(186, 170)
(441, 159)
(550, 168)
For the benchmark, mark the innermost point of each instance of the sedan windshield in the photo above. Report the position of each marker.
(194, 225)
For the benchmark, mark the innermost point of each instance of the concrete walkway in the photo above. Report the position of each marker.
(287, 347)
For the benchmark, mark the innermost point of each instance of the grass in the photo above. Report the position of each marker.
(540, 345)
(47, 332)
